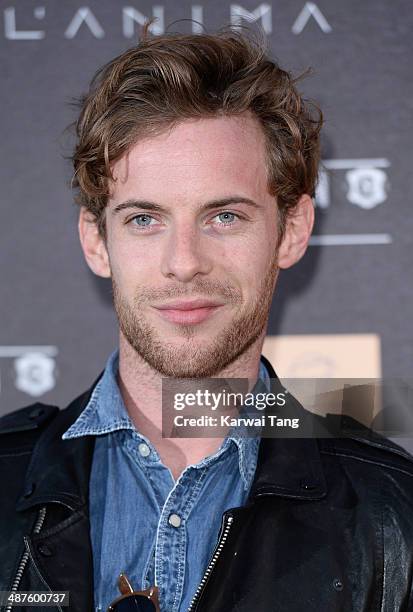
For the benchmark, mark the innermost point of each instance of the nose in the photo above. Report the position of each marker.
(185, 254)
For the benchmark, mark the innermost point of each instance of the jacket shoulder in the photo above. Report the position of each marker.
(35, 417)
(360, 443)
(29, 418)
(21, 429)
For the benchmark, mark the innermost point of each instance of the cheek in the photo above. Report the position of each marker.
(132, 266)
(248, 266)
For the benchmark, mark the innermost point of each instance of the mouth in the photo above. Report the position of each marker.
(190, 312)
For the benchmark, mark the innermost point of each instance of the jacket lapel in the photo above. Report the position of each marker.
(59, 469)
(290, 466)
(58, 480)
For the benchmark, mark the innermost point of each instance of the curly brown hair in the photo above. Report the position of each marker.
(166, 79)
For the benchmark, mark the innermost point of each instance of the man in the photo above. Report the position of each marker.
(196, 163)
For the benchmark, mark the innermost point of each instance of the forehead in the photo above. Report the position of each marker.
(209, 154)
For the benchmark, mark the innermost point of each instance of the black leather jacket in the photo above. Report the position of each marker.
(328, 525)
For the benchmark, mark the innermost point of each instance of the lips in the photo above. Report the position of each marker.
(189, 312)
(189, 305)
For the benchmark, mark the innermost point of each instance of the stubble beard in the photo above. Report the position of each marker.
(190, 360)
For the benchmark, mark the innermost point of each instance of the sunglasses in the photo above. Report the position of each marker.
(134, 601)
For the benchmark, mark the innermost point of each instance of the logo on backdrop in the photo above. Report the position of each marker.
(366, 181)
(130, 19)
(34, 368)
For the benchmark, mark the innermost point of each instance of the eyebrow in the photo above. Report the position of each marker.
(153, 206)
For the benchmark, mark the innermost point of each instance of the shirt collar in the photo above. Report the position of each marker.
(106, 413)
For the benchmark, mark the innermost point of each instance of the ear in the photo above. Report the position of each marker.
(299, 225)
(93, 244)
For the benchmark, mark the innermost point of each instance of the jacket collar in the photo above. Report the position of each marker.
(289, 467)
(59, 470)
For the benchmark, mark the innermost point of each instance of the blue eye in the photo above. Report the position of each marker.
(146, 219)
(227, 217)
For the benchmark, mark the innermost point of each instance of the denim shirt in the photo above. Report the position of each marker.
(143, 522)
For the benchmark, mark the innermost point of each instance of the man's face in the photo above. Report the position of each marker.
(190, 218)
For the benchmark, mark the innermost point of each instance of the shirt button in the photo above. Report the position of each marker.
(174, 520)
(144, 449)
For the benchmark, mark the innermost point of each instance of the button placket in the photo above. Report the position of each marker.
(172, 535)
(171, 545)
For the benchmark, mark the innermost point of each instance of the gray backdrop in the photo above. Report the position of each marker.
(57, 323)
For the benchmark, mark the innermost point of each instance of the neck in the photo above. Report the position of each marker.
(141, 389)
